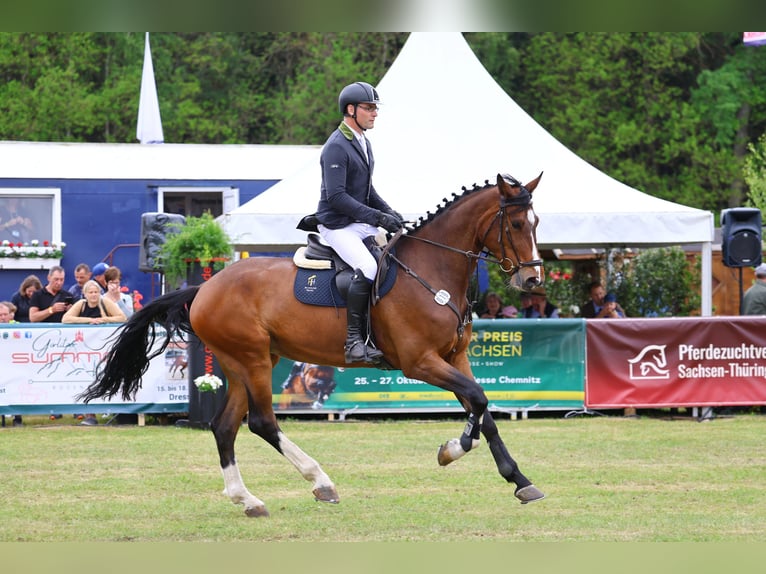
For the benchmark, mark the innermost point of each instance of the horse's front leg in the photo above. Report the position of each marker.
(437, 372)
(455, 448)
(506, 465)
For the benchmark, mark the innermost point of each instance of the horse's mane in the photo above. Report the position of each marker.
(447, 203)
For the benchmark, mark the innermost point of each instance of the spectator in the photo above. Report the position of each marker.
(49, 304)
(541, 308)
(94, 309)
(754, 299)
(6, 316)
(22, 298)
(601, 304)
(114, 293)
(525, 302)
(98, 275)
(7, 311)
(494, 308)
(81, 275)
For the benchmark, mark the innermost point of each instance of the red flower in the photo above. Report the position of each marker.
(567, 276)
(46, 243)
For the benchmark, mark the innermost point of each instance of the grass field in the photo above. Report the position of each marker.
(606, 479)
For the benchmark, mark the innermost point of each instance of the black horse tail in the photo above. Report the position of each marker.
(121, 370)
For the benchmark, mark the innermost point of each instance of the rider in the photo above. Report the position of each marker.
(350, 210)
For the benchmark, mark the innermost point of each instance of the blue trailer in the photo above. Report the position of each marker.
(91, 198)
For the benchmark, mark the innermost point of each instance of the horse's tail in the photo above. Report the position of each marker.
(121, 370)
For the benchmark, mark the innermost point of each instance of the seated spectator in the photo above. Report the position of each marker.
(81, 275)
(541, 308)
(94, 309)
(494, 308)
(6, 316)
(22, 298)
(98, 275)
(114, 293)
(7, 310)
(49, 304)
(601, 304)
(525, 302)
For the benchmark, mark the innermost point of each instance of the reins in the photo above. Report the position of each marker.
(521, 202)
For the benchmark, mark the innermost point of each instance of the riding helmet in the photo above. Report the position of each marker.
(357, 93)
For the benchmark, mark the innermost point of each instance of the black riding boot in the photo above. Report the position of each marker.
(358, 296)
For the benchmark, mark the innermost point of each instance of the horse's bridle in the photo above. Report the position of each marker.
(521, 202)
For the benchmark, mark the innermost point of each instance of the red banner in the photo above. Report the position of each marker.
(675, 362)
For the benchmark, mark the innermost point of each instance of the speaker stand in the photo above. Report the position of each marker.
(741, 296)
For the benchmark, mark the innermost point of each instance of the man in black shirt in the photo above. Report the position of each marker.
(49, 304)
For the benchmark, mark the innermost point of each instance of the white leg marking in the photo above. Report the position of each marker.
(236, 490)
(453, 449)
(307, 466)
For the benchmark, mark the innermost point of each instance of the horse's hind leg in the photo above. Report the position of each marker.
(225, 425)
(253, 395)
(261, 421)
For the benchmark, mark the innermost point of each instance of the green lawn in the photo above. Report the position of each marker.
(606, 479)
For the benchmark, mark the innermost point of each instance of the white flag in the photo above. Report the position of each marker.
(149, 128)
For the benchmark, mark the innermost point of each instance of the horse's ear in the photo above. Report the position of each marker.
(533, 184)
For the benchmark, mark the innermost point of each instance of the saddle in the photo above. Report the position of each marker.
(323, 277)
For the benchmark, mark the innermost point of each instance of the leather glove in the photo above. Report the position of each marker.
(398, 215)
(389, 222)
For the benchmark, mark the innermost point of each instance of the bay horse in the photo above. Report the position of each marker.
(307, 385)
(248, 317)
(179, 366)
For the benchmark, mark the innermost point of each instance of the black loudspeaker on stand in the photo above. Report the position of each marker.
(155, 228)
(741, 240)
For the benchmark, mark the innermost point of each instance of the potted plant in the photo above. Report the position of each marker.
(198, 240)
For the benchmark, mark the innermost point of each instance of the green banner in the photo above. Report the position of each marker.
(520, 363)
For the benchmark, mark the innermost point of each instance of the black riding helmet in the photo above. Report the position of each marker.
(357, 93)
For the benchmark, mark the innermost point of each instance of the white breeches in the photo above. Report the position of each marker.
(347, 241)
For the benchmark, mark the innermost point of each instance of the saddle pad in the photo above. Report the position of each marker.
(317, 286)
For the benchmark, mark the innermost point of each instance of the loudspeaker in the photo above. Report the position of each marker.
(155, 228)
(741, 237)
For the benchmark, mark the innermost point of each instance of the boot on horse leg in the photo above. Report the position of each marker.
(356, 349)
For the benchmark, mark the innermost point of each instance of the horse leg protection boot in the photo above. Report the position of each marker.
(357, 351)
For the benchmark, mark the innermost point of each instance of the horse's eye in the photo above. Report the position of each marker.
(516, 224)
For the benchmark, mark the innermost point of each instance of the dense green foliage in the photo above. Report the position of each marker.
(672, 114)
(657, 282)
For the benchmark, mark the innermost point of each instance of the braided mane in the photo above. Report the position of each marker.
(447, 203)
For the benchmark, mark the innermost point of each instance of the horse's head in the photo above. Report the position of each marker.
(511, 236)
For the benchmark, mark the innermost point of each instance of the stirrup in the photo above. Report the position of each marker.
(369, 354)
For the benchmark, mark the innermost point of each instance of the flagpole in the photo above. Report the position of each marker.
(149, 125)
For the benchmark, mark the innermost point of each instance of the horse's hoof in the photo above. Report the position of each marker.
(257, 512)
(326, 494)
(449, 452)
(529, 494)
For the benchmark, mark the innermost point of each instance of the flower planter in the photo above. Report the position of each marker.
(28, 262)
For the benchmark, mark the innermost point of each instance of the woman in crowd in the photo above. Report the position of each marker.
(94, 309)
(23, 296)
(113, 278)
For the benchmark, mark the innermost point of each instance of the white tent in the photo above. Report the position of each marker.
(445, 123)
